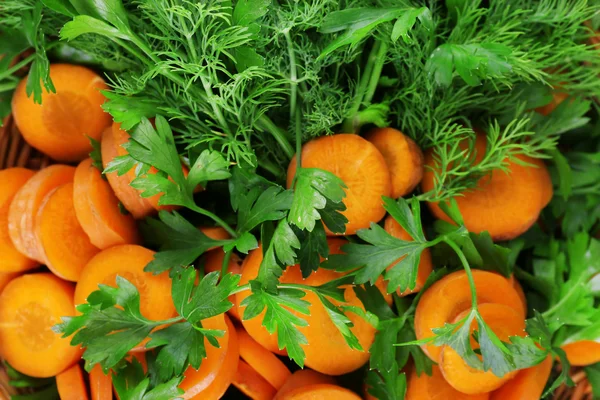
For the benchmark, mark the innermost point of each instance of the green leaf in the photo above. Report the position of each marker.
(313, 247)
(246, 57)
(248, 11)
(387, 385)
(128, 110)
(593, 374)
(83, 24)
(341, 322)
(60, 6)
(243, 181)
(259, 205)
(96, 154)
(131, 384)
(408, 218)
(111, 11)
(407, 21)
(209, 166)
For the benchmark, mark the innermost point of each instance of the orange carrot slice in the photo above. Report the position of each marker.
(70, 384)
(252, 384)
(60, 126)
(403, 157)
(97, 209)
(213, 261)
(434, 387)
(262, 361)
(557, 99)
(128, 261)
(450, 296)
(320, 392)
(100, 384)
(425, 265)
(12, 179)
(362, 168)
(30, 306)
(583, 352)
(6, 278)
(303, 378)
(527, 384)
(25, 204)
(63, 244)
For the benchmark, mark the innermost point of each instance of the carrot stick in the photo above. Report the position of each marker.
(100, 384)
(527, 384)
(583, 352)
(362, 168)
(303, 378)
(29, 306)
(434, 387)
(252, 384)
(70, 384)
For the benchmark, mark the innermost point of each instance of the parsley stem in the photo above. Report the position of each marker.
(467, 268)
(17, 66)
(225, 262)
(5, 87)
(575, 288)
(241, 288)
(214, 217)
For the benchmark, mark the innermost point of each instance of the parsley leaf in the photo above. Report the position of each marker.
(131, 384)
(387, 384)
(96, 155)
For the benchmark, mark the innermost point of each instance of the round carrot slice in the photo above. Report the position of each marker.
(425, 265)
(30, 306)
(63, 244)
(434, 387)
(320, 392)
(97, 209)
(213, 261)
(262, 361)
(583, 352)
(5, 279)
(12, 179)
(302, 378)
(252, 384)
(527, 384)
(60, 126)
(403, 157)
(100, 384)
(25, 204)
(450, 296)
(128, 261)
(504, 322)
(70, 384)
(362, 168)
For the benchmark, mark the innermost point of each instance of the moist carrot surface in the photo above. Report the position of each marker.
(403, 157)
(362, 168)
(320, 392)
(11, 180)
(63, 245)
(582, 353)
(60, 126)
(25, 204)
(97, 209)
(435, 387)
(527, 384)
(302, 378)
(70, 384)
(128, 261)
(252, 384)
(100, 384)
(29, 306)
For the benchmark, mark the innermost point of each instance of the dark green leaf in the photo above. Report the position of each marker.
(313, 247)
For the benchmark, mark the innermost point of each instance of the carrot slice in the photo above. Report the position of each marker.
(557, 99)
(97, 209)
(261, 360)
(320, 392)
(5, 279)
(100, 384)
(24, 207)
(70, 384)
(362, 168)
(504, 322)
(504, 204)
(403, 157)
(450, 296)
(216, 233)
(30, 306)
(12, 179)
(302, 378)
(528, 384)
(128, 261)
(425, 265)
(213, 261)
(252, 384)
(434, 387)
(60, 126)
(63, 244)
(583, 352)
(218, 369)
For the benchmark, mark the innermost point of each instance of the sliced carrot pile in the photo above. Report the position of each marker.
(504, 204)
(30, 306)
(302, 378)
(425, 265)
(527, 384)
(450, 296)
(362, 168)
(100, 384)
(252, 384)
(60, 126)
(25, 204)
(70, 384)
(128, 261)
(403, 157)
(505, 322)
(11, 180)
(63, 245)
(213, 261)
(582, 353)
(435, 387)
(97, 209)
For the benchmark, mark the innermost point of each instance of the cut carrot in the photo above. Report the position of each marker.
(435, 387)
(11, 180)
(63, 245)
(252, 384)
(60, 126)
(265, 363)
(505, 204)
(583, 352)
(100, 384)
(97, 209)
(557, 99)
(6, 278)
(128, 261)
(528, 384)
(70, 384)
(505, 322)
(450, 296)
(24, 207)
(213, 261)
(403, 157)
(218, 369)
(30, 306)
(320, 392)
(303, 378)
(362, 168)
(425, 265)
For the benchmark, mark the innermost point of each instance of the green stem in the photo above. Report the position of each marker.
(582, 279)
(17, 66)
(375, 74)
(265, 123)
(5, 87)
(468, 271)
(225, 262)
(294, 114)
(241, 288)
(214, 217)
